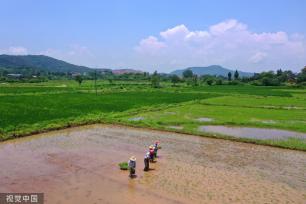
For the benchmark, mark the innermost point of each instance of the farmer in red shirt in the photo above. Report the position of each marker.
(151, 151)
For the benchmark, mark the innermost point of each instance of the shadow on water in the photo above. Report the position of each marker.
(133, 176)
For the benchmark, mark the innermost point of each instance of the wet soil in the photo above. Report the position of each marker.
(252, 133)
(80, 165)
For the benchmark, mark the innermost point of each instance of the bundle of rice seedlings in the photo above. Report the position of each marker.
(123, 165)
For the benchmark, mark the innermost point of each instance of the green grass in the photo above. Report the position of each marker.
(187, 115)
(288, 113)
(20, 110)
(244, 89)
(260, 101)
(32, 108)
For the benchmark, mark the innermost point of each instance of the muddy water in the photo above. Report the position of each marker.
(253, 133)
(204, 119)
(79, 165)
(136, 119)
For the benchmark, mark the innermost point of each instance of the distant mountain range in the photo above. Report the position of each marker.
(39, 62)
(13, 63)
(126, 71)
(211, 70)
(16, 63)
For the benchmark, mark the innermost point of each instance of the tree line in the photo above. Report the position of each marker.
(269, 78)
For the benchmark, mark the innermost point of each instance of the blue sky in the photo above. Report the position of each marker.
(159, 35)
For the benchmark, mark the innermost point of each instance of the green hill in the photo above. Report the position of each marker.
(38, 62)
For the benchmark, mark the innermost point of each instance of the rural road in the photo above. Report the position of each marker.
(80, 165)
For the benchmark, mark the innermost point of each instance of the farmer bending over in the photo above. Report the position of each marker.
(132, 166)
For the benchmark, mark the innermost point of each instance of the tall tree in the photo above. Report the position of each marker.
(229, 76)
(155, 79)
(302, 76)
(175, 79)
(279, 72)
(79, 79)
(236, 75)
(209, 81)
(303, 70)
(187, 73)
(195, 80)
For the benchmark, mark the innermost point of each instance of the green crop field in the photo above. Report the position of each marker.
(31, 108)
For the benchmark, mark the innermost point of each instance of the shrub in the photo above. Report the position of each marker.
(302, 84)
(219, 82)
(187, 73)
(270, 82)
(235, 82)
(256, 83)
(209, 82)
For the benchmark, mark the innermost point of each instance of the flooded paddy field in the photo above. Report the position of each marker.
(252, 133)
(80, 165)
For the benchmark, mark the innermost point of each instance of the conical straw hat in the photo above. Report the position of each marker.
(133, 158)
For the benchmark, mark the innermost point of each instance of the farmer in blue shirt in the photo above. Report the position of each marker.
(155, 148)
(146, 161)
(132, 166)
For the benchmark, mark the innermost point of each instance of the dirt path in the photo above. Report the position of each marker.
(79, 165)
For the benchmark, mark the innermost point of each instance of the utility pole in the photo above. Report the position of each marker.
(96, 81)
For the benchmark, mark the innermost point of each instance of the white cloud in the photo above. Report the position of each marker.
(150, 45)
(179, 31)
(227, 26)
(229, 43)
(15, 50)
(75, 53)
(271, 38)
(258, 57)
